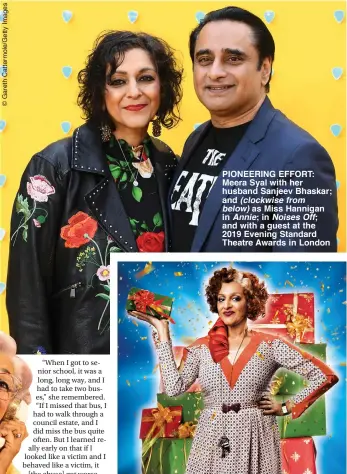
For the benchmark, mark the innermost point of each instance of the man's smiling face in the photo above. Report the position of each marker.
(227, 77)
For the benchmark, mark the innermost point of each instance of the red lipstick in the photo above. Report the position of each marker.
(135, 108)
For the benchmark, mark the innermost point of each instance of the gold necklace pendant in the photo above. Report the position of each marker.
(135, 182)
(137, 151)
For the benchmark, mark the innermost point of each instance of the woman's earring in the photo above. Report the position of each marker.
(106, 133)
(156, 128)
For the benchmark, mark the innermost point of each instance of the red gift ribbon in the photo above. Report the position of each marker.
(144, 299)
(296, 324)
(160, 417)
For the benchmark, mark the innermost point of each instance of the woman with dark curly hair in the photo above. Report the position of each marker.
(237, 430)
(102, 190)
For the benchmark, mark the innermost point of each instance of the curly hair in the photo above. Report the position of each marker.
(107, 55)
(253, 289)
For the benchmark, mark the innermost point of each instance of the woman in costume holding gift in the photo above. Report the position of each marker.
(237, 430)
(102, 190)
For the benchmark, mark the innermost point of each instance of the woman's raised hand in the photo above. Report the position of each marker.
(14, 433)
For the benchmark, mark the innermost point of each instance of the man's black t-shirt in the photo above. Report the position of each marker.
(196, 180)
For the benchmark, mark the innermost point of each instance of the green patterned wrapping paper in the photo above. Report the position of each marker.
(191, 402)
(289, 383)
(153, 304)
(311, 423)
(167, 456)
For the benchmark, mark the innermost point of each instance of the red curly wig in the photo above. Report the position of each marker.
(255, 291)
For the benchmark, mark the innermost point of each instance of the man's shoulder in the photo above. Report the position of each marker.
(290, 133)
(281, 131)
(199, 129)
(195, 135)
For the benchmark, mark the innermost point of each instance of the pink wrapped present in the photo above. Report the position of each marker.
(298, 456)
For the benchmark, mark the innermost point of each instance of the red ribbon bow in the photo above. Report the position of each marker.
(144, 299)
(218, 342)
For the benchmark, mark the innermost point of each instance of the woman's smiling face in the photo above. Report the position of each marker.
(132, 93)
(232, 304)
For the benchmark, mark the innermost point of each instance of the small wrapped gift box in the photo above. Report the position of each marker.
(311, 423)
(167, 456)
(298, 456)
(192, 403)
(178, 354)
(289, 383)
(160, 422)
(290, 315)
(150, 303)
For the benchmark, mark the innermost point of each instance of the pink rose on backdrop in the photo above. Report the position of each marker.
(36, 223)
(103, 273)
(40, 188)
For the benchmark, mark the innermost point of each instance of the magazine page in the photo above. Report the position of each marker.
(170, 393)
(144, 146)
(69, 418)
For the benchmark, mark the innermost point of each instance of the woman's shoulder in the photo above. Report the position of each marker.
(84, 142)
(163, 148)
(271, 338)
(57, 151)
(53, 160)
(201, 341)
(262, 335)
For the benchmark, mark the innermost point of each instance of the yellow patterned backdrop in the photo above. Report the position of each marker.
(308, 84)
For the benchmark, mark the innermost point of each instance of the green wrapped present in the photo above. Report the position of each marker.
(191, 402)
(311, 423)
(150, 303)
(286, 382)
(167, 456)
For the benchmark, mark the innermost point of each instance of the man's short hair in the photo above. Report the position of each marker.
(263, 40)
